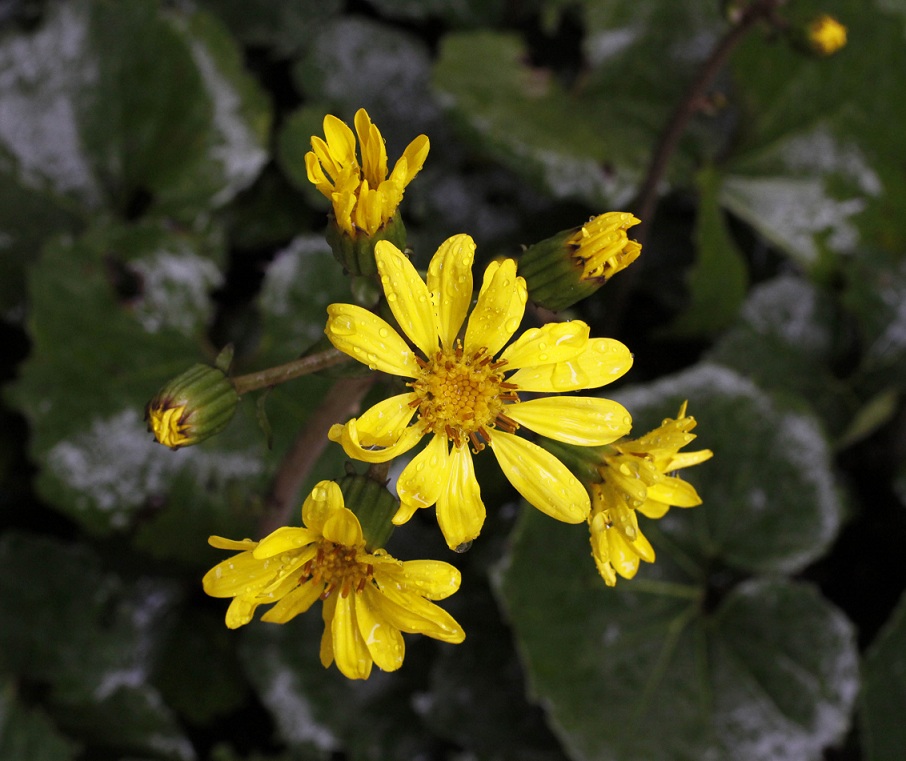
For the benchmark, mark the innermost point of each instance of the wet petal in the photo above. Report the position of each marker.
(340, 143)
(403, 514)
(284, 539)
(674, 491)
(240, 611)
(425, 477)
(383, 640)
(415, 615)
(372, 148)
(412, 161)
(384, 423)
(370, 340)
(450, 284)
(299, 600)
(407, 296)
(585, 421)
(460, 511)
(541, 478)
(433, 579)
(499, 309)
(222, 543)
(367, 450)
(344, 528)
(327, 614)
(324, 500)
(349, 650)
(602, 361)
(553, 342)
(241, 574)
(688, 459)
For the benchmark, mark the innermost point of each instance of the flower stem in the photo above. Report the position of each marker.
(273, 376)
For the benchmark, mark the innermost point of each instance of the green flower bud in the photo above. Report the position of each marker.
(373, 505)
(192, 407)
(570, 266)
(356, 253)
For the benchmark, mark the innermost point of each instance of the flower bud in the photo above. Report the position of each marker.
(373, 505)
(356, 253)
(570, 266)
(822, 36)
(192, 407)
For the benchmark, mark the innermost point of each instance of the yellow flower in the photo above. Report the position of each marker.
(603, 246)
(636, 476)
(636, 473)
(467, 391)
(826, 35)
(369, 598)
(364, 198)
(617, 543)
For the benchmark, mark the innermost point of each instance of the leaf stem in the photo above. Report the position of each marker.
(273, 376)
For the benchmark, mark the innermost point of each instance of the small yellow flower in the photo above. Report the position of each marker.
(826, 35)
(635, 476)
(465, 390)
(369, 598)
(617, 542)
(603, 246)
(364, 198)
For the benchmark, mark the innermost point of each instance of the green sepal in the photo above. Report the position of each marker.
(356, 254)
(373, 505)
(553, 275)
(584, 463)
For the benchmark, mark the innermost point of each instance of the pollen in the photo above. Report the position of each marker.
(337, 567)
(463, 396)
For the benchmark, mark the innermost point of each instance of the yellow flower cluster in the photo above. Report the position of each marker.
(363, 196)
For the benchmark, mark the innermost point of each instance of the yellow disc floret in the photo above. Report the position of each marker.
(462, 396)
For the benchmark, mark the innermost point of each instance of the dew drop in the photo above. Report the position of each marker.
(464, 547)
(342, 326)
(383, 332)
(512, 325)
(391, 297)
(627, 420)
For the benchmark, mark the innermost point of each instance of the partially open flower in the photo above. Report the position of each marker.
(369, 598)
(192, 407)
(570, 266)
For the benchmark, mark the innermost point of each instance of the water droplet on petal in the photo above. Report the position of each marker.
(464, 547)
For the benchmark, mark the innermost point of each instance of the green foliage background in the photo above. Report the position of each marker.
(154, 206)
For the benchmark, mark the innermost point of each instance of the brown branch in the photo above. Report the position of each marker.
(341, 402)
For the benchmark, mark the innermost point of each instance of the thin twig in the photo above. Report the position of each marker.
(339, 403)
(296, 368)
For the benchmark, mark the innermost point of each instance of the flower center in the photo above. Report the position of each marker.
(462, 397)
(336, 567)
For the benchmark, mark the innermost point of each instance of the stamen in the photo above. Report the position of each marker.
(506, 423)
(477, 444)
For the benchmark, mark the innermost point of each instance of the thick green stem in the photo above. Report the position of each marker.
(274, 376)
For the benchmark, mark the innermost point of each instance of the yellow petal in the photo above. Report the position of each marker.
(284, 539)
(412, 161)
(415, 615)
(240, 611)
(349, 438)
(403, 514)
(688, 459)
(297, 601)
(349, 650)
(541, 478)
(654, 510)
(325, 500)
(241, 574)
(460, 511)
(499, 309)
(450, 284)
(433, 579)
(222, 543)
(370, 340)
(624, 559)
(425, 477)
(340, 141)
(383, 640)
(344, 528)
(585, 421)
(407, 296)
(316, 175)
(327, 614)
(374, 152)
(553, 342)
(602, 361)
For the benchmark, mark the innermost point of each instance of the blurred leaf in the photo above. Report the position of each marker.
(116, 103)
(467, 13)
(589, 139)
(812, 171)
(646, 672)
(718, 280)
(318, 708)
(85, 640)
(786, 341)
(27, 734)
(884, 691)
(771, 502)
(143, 724)
(200, 677)
(282, 26)
(876, 412)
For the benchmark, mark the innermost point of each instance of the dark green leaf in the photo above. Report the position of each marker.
(645, 672)
(27, 734)
(884, 691)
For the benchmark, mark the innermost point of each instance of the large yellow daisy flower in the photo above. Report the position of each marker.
(363, 196)
(466, 391)
(369, 598)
